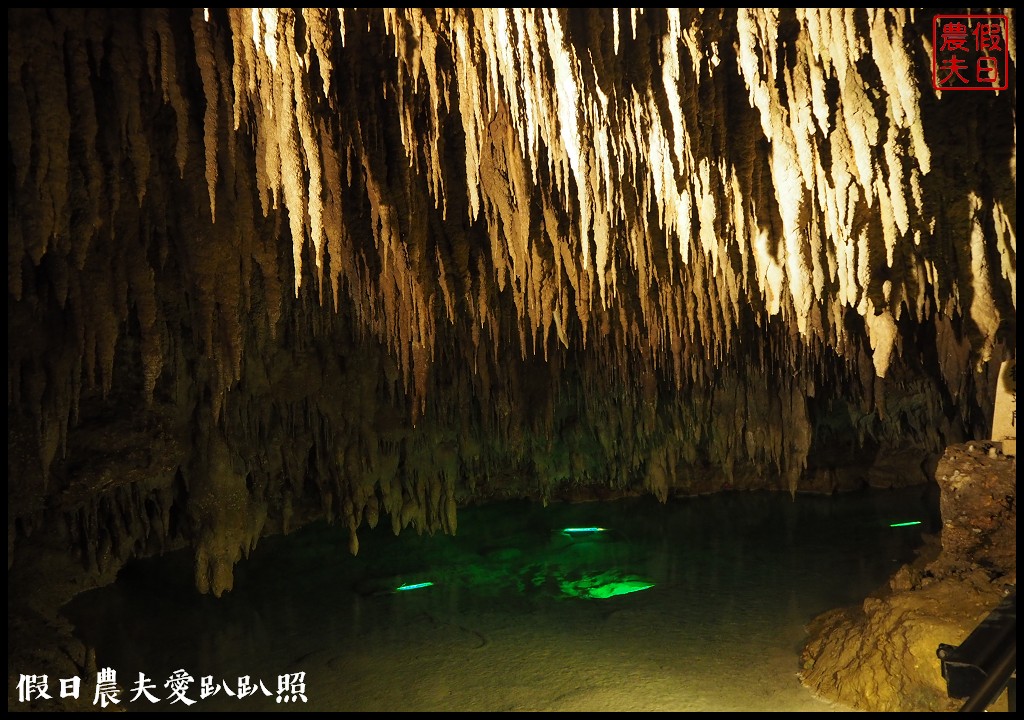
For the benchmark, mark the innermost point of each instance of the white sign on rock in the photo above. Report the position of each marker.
(1004, 419)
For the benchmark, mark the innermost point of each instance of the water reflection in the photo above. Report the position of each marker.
(734, 579)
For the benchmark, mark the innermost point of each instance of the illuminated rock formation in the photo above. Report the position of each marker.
(266, 265)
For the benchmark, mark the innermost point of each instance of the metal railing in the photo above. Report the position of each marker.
(984, 664)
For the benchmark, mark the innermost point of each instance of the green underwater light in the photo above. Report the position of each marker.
(604, 585)
(413, 586)
(619, 588)
(581, 530)
(905, 524)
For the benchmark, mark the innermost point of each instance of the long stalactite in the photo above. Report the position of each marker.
(369, 263)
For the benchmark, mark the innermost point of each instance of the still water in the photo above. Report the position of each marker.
(699, 604)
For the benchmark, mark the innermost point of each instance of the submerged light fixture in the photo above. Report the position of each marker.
(574, 531)
(603, 586)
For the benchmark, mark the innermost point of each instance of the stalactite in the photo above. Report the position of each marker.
(164, 64)
(211, 87)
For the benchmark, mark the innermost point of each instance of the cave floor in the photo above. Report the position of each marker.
(521, 614)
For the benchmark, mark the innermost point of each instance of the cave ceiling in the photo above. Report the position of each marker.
(266, 265)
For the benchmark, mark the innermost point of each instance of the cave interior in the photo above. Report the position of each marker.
(271, 267)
